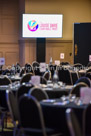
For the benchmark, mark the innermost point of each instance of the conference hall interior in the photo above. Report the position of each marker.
(45, 67)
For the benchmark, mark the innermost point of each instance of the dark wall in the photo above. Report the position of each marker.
(82, 42)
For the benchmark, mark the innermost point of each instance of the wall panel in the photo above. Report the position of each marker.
(11, 58)
(9, 29)
(73, 11)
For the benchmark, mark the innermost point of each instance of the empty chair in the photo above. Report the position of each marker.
(52, 69)
(75, 77)
(38, 93)
(1, 69)
(3, 104)
(13, 108)
(5, 81)
(88, 75)
(28, 68)
(65, 76)
(26, 78)
(76, 89)
(6, 72)
(43, 80)
(87, 121)
(22, 72)
(89, 64)
(88, 70)
(35, 63)
(47, 75)
(85, 80)
(17, 68)
(78, 65)
(73, 124)
(36, 68)
(23, 89)
(31, 118)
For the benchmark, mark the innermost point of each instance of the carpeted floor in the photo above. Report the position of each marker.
(8, 131)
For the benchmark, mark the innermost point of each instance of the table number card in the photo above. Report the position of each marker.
(2, 61)
(85, 95)
(61, 55)
(42, 67)
(89, 58)
(35, 80)
(57, 62)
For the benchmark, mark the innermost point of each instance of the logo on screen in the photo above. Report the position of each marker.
(32, 25)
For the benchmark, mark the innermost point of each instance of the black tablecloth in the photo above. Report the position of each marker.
(55, 116)
(57, 92)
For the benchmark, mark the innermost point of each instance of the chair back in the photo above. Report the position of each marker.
(23, 89)
(88, 75)
(78, 65)
(43, 80)
(36, 68)
(76, 89)
(22, 72)
(65, 76)
(12, 105)
(47, 75)
(52, 69)
(73, 123)
(89, 64)
(26, 78)
(5, 81)
(28, 68)
(38, 93)
(31, 114)
(87, 121)
(84, 80)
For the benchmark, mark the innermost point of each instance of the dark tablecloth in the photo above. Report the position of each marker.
(55, 116)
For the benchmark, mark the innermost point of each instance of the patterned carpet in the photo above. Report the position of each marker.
(8, 131)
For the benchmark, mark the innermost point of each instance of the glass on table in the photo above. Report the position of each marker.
(78, 101)
(72, 97)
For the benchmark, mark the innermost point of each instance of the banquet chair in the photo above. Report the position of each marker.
(73, 124)
(31, 118)
(78, 65)
(65, 76)
(85, 80)
(89, 64)
(87, 121)
(17, 68)
(75, 77)
(6, 72)
(52, 69)
(5, 81)
(88, 75)
(22, 72)
(23, 89)
(26, 78)
(47, 75)
(88, 70)
(13, 108)
(28, 68)
(43, 80)
(76, 89)
(36, 68)
(3, 104)
(35, 63)
(1, 69)
(38, 93)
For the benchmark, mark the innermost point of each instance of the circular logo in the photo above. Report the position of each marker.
(32, 25)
